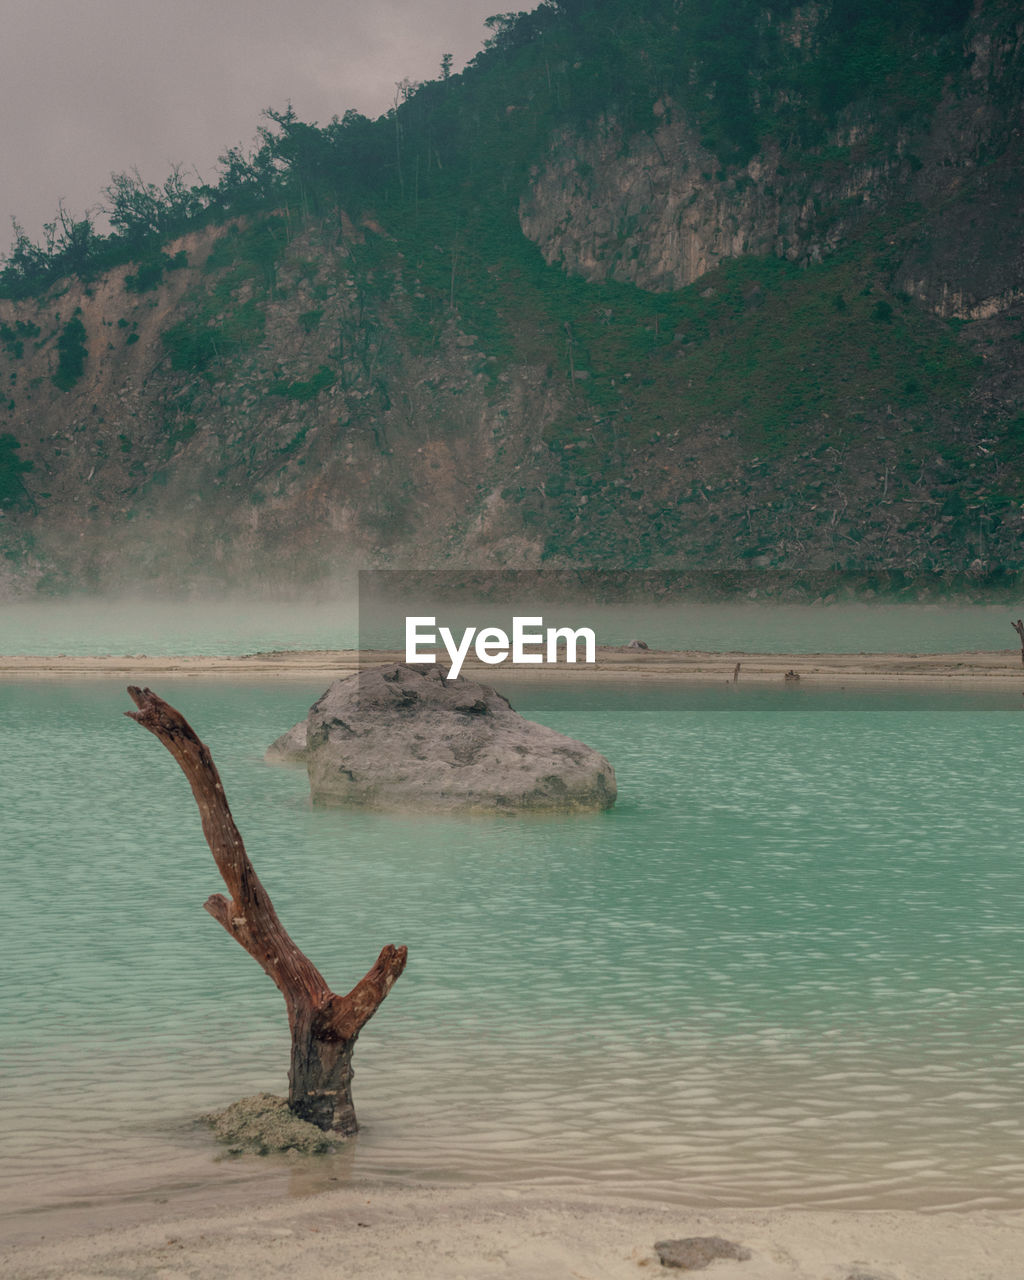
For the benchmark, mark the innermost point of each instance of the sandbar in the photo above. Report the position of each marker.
(988, 669)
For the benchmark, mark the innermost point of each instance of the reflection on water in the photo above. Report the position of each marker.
(786, 968)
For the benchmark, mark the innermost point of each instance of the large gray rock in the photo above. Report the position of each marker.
(402, 737)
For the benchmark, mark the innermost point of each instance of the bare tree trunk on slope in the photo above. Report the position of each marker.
(324, 1026)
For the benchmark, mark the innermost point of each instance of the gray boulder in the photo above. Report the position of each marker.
(404, 737)
(290, 745)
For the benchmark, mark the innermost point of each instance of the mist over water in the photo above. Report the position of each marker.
(220, 627)
(164, 627)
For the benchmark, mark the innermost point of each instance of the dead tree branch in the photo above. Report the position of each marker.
(324, 1025)
(1018, 626)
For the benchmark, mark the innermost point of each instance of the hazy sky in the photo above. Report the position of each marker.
(90, 87)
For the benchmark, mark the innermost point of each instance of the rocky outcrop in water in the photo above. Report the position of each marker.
(404, 737)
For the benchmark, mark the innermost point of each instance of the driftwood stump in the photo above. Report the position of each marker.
(1018, 626)
(324, 1026)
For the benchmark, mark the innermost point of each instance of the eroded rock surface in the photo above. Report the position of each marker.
(404, 737)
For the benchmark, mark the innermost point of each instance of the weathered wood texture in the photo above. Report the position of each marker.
(324, 1025)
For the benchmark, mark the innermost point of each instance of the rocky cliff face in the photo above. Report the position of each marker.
(966, 258)
(657, 208)
(319, 442)
(810, 359)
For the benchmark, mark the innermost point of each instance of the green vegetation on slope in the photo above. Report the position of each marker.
(471, 137)
(229, 317)
(12, 469)
(71, 353)
(416, 218)
(759, 344)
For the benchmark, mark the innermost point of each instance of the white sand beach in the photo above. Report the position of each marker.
(462, 1233)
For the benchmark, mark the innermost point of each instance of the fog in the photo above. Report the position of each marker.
(219, 626)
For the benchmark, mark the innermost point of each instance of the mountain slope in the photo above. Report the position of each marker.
(585, 304)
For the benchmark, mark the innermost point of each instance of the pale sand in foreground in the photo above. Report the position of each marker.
(999, 668)
(527, 1234)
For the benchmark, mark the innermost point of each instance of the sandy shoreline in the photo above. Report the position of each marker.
(989, 669)
(534, 1234)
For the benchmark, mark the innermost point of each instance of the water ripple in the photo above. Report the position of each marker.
(785, 970)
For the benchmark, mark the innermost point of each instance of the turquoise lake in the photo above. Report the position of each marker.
(786, 968)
